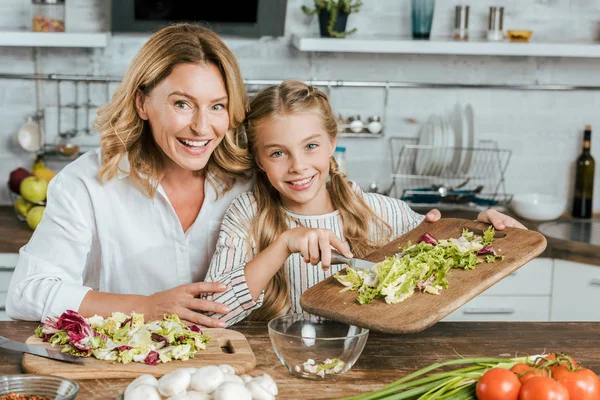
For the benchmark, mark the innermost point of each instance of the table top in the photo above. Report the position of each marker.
(385, 358)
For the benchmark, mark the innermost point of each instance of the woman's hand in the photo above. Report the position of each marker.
(315, 245)
(499, 220)
(182, 300)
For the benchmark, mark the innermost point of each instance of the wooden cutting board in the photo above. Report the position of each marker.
(422, 310)
(226, 347)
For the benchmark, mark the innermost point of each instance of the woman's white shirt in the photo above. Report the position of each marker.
(111, 238)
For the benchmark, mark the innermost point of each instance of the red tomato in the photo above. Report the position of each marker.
(498, 384)
(525, 372)
(582, 384)
(540, 388)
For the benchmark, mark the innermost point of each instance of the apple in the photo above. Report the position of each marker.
(22, 206)
(16, 177)
(34, 216)
(33, 189)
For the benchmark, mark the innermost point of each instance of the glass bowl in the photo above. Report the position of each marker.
(53, 387)
(316, 348)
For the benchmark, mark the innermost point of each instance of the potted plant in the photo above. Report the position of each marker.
(333, 16)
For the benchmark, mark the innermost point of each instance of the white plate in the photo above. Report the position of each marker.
(423, 156)
(469, 116)
(456, 119)
(436, 159)
(449, 151)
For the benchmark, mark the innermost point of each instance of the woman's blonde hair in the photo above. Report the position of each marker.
(124, 133)
(358, 219)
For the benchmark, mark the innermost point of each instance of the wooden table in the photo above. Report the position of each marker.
(384, 359)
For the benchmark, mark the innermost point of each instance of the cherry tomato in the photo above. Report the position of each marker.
(498, 384)
(540, 388)
(525, 372)
(582, 383)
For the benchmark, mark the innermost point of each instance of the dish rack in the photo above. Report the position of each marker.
(449, 177)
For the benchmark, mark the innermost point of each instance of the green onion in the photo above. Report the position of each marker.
(458, 384)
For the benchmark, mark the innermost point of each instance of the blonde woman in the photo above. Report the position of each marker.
(273, 239)
(132, 226)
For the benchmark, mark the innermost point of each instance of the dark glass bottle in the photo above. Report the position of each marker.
(584, 179)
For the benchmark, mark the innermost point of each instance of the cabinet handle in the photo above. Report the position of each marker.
(2, 308)
(489, 311)
(595, 282)
(6, 269)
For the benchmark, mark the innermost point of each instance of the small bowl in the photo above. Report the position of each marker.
(519, 35)
(316, 348)
(538, 206)
(50, 386)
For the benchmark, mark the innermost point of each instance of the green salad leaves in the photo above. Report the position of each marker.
(424, 266)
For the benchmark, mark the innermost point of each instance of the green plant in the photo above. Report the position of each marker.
(334, 7)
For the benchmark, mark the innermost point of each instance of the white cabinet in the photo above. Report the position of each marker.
(575, 292)
(8, 261)
(522, 296)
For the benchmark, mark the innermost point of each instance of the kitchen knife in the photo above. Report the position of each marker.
(355, 263)
(39, 351)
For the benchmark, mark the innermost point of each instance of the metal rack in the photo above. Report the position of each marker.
(460, 177)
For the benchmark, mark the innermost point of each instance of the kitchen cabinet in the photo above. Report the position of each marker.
(525, 295)
(8, 261)
(575, 292)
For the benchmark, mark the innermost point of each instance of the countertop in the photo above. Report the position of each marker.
(14, 234)
(384, 359)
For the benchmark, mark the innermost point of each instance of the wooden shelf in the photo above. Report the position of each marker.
(448, 46)
(53, 39)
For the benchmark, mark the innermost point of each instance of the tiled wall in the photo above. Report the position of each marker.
(543, 129)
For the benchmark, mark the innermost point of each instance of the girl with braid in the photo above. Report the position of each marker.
(276, 241)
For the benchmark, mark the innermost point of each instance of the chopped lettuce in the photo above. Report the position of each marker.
(124, 338)
(423, 266)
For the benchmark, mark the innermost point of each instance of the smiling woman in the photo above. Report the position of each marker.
(128, 227)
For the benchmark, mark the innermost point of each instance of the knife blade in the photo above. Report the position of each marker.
(39, 351)
(355, 263)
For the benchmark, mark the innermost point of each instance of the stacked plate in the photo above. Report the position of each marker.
(446, 143)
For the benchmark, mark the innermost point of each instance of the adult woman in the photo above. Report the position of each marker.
(129, 227)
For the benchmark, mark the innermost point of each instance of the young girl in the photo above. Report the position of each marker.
(272, 239)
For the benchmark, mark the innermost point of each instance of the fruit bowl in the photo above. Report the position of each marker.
(312, 347)
(22, 205)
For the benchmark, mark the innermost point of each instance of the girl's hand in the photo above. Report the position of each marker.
(433, 215)
(499, 220)
(314, 245)
(182, 300)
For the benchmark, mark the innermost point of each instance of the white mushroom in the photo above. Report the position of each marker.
(246, 378)
(193, 370)
(227, 369)
(233, 378)
(174, 383)
(268, 383)
(258, 392)
(193, 395)
(142, 392)
(232, 391)
(145, 379)
(207, 379)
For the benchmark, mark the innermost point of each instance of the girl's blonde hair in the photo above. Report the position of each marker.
(358, 219)
(124, 133)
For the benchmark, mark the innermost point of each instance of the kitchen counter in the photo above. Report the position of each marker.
(384, 359)
(14, 234)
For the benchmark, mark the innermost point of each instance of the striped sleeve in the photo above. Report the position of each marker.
(230, 259)
(394, 211)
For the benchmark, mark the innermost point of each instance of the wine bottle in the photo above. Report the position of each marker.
(584, 179)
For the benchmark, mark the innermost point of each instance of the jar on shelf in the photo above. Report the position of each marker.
(48, 15)
(340, 157)
(374, 126)
(355, 124)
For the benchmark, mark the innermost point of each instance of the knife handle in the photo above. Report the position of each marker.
(337, 258)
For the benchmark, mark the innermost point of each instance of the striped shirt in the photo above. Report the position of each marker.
(232, 253)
